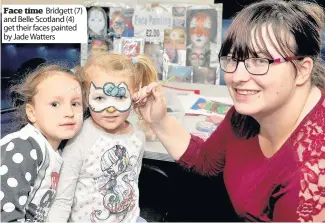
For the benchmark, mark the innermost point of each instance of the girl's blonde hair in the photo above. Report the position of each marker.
(139, 68)
(23, 93)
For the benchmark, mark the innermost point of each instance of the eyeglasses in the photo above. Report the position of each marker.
(255, 66)
(199, 56)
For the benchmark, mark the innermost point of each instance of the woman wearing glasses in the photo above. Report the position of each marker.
(271, 145)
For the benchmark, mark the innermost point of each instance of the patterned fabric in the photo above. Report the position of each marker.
(309, 143)
(99, 177)
(29, 175)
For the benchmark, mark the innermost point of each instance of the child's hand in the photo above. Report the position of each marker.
(152, 108)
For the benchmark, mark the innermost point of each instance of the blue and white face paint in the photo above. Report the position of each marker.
(110, 97)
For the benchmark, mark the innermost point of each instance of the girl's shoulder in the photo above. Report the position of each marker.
(28, 141)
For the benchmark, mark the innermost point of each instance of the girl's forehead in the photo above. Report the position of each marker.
(59, 82)
(100, 77)
(96, 13)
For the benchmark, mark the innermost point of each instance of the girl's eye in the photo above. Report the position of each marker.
(99, 98)
(55, 104)
(121, 97)
(76, 103)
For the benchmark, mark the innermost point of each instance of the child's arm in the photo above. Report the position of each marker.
(20, 160)
(69, 174)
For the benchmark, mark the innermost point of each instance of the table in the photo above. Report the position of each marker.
(203, 191)
(155, 150)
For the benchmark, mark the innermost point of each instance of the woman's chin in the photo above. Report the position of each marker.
(246, 109)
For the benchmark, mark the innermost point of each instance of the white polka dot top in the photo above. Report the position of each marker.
(29, 175)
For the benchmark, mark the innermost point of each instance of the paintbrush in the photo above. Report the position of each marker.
(160, 85)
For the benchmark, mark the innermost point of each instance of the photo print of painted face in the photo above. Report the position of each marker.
(205, 75)
(199, 57)
(175, 39)
(179, 16)
(110, 97)
(121, 22)
(155, 52)
(99, 46)
(181, 73)
(201, 27)
(97, 21)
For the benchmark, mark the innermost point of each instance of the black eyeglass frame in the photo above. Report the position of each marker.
(271, 61)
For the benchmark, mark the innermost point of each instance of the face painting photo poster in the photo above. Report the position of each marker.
(121, 22)
(205, 75)
(97, 21)
(155, 52)
(174, 45)
(203, 27)
(181, 73)
(179, 16)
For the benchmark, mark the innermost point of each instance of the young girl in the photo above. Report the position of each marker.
(49, 105)
(97, 22)
(99, 177)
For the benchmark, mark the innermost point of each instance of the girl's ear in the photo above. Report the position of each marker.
(30, 112)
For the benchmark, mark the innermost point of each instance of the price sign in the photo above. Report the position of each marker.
(150, 23)
(153, 33)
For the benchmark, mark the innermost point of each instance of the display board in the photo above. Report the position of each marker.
(182, 39)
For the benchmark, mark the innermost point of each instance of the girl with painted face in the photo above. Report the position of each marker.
(270, 146)
(118, 25)
(50, 109)
(97, 22)
(200, 30)
(99, 177)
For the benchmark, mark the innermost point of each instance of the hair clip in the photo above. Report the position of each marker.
(134, 60)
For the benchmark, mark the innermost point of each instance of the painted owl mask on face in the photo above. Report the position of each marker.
(110, 97)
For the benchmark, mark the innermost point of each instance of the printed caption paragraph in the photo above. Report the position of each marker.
(44, 24)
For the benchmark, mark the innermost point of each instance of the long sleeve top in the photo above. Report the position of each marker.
(29, 175)
(289, 186)
(99, 177)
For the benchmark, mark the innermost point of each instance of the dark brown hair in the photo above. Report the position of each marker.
(298, 20)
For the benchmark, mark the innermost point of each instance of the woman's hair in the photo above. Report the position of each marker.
(104, 30)
(297, 20)
(23, 93)
(139, 68)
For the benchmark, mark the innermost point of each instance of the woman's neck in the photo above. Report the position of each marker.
(277, 126)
